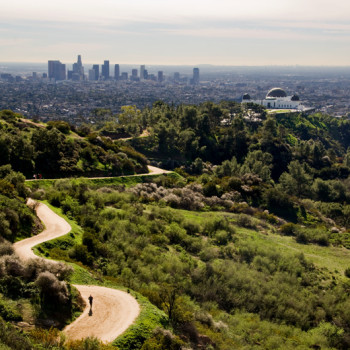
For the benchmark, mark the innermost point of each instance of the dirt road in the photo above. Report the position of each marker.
(55, 227)
(152, 171)
(113, 311)
(156, 171)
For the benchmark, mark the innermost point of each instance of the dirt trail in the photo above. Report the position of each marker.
(113, 311)
(152, 171)
(156, 171)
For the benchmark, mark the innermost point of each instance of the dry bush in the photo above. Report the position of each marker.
(50, 286)
(189, 197)
(233, 196)
(172, 199)
(36, 266)
(246, 221)
(10, 265)
(6, 248)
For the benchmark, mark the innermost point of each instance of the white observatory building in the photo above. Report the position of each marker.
(277, 98)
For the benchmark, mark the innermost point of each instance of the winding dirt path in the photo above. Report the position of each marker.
(113, 311)
(152, 171)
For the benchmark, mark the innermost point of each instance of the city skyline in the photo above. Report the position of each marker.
(224, 32)
(57, 72)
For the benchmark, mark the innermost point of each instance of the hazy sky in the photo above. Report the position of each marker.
(221, 32)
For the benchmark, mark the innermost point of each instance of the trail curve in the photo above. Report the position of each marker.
(113, 311)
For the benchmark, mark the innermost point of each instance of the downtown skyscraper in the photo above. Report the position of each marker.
(116, 72)
(105, 70)
(56, 70)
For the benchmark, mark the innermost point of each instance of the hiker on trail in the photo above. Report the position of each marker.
(90, 300)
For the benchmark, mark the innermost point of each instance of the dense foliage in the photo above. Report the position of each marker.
(219, 132)
(53, 150)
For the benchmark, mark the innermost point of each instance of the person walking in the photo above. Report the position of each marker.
(90, 300)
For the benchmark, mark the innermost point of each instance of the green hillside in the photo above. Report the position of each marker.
(246, 247)
(54, 150)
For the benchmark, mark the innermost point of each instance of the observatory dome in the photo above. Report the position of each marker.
(276, 92)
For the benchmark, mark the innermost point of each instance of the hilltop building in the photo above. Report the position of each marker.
(277, 98)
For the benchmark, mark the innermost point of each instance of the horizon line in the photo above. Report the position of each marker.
(189, 64)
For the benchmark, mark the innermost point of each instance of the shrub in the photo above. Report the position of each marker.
(347, 272)
(51, 287)
(81, 253)
(13, 338)
(316, 235)
(163, 339)
(36, 266)
(222, 237)
(88, 344)
(11, 266)
(6, 248)
(13, 287)
(62, 126)
(8, 313)
(288, 229)
(246, 221)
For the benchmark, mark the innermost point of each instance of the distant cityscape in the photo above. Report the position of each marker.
(50, 91)
(57, 72)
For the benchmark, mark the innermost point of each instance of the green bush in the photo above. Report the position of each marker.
(9, 313)
(288, 229)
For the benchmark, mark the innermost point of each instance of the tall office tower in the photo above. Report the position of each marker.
(105, 70)
(116, 71)
(80, 64)
(96, 69)
(160, 76)
(142, 72)
(195, 76)
(176, 76)
(78, 70)
(124, 76)
(56, 70)
(92, 75)
(145, 74)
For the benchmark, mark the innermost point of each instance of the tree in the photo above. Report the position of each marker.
(269, 129)
(296, 181)
(131, 117)
(259, 163)
(89, 158)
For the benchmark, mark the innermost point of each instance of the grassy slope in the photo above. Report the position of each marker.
(334, 259)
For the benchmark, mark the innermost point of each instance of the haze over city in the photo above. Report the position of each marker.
(220, 32)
